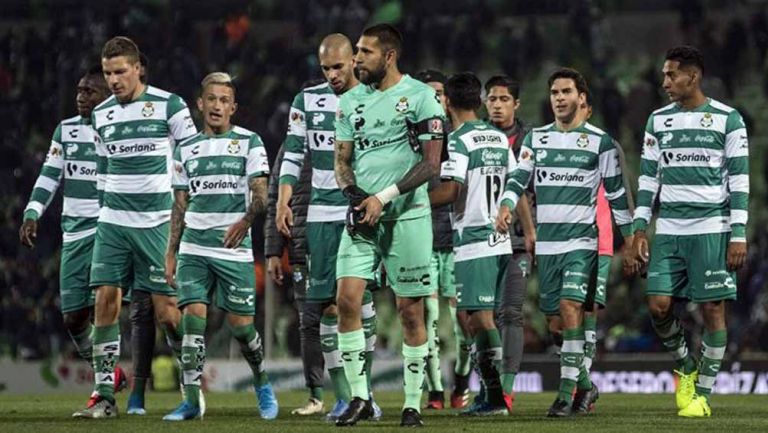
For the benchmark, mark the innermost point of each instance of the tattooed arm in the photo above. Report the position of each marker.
(342, 164)
(180, 200)
(239, 230)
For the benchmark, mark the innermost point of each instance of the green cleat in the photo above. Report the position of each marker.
(697, 408)
(686, 388)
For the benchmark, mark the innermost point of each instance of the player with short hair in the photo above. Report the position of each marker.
(480, 164)
(569, 158)
(696, 159)
(136, 128)
(220, 187)
(310, 128)
(389, 134)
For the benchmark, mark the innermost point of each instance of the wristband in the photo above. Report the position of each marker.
(388, 194)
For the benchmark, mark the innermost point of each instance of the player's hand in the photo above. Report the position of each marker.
(530, 243)
(275, 269)
(737, 255)
(504, 220)
(236, 233)
(28, 233)
(284, 220)
(170, 269)
(640, 248)
(372, 208)
(630, 264)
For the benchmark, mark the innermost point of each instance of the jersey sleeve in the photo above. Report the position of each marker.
(342, 125)
(49, 179)
(257, 163)
(648, 183)
(613, 182)
(180, 123)
(180, 175)
(518, 180)
(455, 168)
(737, 164)
(295, 142)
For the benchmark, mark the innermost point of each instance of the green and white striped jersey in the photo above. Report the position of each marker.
(71, 160)
(215, 170)
(699, 159)
(481, 160)
(568, 168)
(136, 146)
(311, 128)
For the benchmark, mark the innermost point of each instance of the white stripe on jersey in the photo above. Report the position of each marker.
(692, 226)
(132, 111)
(480, 250)
(133, 219)
(80, 207)
(565, 214)
(131, 183)
(699, 194)
(210, 220)
(229, 254)
(547, 248)
(76, 236)
(324, 213)
(324, 179)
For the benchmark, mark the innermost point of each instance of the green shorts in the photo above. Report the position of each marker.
(74, 289)
(405, 247)
(233, 284)
(128, 257)
(443, 267)
(603, 272)
(565, 276)
(323, 240)
(691, 267)
(479, 282)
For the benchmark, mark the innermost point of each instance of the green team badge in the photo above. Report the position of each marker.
(148, 110)
(402, 105)
(234, 147)
(583, 141)
(706, 121)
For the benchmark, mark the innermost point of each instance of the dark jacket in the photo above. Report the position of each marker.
(441, 223)
(515, 134)
(274, 242)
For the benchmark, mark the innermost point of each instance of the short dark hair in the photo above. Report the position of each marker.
(463, 91)
(121, 46)
(389, 37)
(512, 85)
(687, 56)
(431, 76)
(94, 72)
(570, 73)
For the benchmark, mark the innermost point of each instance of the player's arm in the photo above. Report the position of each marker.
(180, 123)
(274, 242)
(516, 183)
(616, 194)
(257, 168)
(295, 146)
(452, 174)
(45, 188)
(180, 180)
(648, 187)
(737, 164)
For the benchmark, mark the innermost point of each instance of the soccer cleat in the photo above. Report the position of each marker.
(584, 400)
(357, 410)
(686, 388)
(435, 400)
(509, 400)
(313, 406)
(375, 410)
(184, 412)
(459, 399)
(411, 418)
(337, 410)
(200, 398)
(697, 408)
(121, 382)
(268, 407)
(98, 407)
(560, 409)
(135, 405)
(484, 408)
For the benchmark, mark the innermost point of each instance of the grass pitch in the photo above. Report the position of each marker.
(236, 412)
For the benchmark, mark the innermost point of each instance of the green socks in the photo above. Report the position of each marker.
(713, 350)
(252, 350)
(106, 352)
(434, 379)
(193, 356)
(329, 341)
(414, 363)
(508, 382)
(369, 330)
(352, 348)
(571, 360)
(673, 339)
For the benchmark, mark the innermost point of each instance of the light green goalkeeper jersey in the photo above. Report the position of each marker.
(567, 168)
(482, 161)
(697, 163)
(136, 152)
(375, 121)
(71, 163)
(216, 170)
(311, 128)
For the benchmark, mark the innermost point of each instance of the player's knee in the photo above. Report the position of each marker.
(659, 307)
(76, 321)
(347, 306)
(410, 317)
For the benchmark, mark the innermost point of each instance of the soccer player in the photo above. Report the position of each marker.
(310, 126)
(569, 159)
(502, 102)
(136, 128)
(696, 152)
(71, 165)
(474, 177)
(389, 133)
(442, 263)
(220, 187)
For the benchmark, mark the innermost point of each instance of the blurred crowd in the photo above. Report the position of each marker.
(270, 47)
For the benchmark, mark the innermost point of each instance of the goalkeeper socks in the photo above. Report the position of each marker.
(84, 343)
(369, 332)
(508, 382)
(414, 363)
(488, 346)
(329, 341)
(106, 352)
(193, 356)
(352, 348)
(673, 338)
(713, 350)
(463, 346)
(253, 351)
(590, 340)
(571, 359)
(434, 375)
